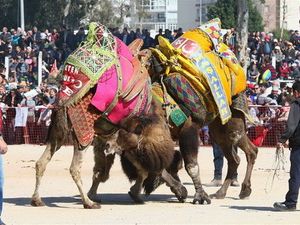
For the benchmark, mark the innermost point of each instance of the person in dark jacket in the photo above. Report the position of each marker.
(292, 133)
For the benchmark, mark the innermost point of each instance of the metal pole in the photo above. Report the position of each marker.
(22, 14)
(40, 69)
(200, 12)
(283, 18)
(166, 12)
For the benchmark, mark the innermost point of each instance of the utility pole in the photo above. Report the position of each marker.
(166, 12)
(200, 12)
(283, 17)
(22, 14)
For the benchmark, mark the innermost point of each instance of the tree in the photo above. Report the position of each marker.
(242, 31)
(227, 11)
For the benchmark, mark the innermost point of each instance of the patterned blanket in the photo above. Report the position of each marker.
(122, 83)
(207, 64)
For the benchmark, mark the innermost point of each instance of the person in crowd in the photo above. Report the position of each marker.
(278, 57)
(294, 71)
(179, 33)
(292, 134)
(160, 33)
(267, 65)
(218, 167)
(284, 70)
(289, 51)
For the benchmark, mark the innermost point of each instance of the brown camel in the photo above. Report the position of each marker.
(146, 148)
(228, 136)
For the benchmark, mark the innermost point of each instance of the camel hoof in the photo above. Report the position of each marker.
(181, 194)
(37, 203)
(92, 206)
(245, 191)
(95, 197)
(217, 196)
(135, 198)
(201, 199)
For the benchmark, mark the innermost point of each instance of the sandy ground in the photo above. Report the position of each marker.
(64, 205)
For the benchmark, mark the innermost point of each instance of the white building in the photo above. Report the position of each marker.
(192, 13)
(153, 14)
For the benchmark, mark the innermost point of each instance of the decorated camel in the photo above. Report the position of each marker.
(97, 94)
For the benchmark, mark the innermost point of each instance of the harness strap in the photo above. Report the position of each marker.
(119, 90)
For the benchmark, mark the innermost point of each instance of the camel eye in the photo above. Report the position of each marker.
(138, 130)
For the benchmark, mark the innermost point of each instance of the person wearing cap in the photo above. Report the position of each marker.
(278, 57)
(289, 52)
(292, 134)
(295, 71)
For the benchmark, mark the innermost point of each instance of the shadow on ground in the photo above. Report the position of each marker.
(107, 199)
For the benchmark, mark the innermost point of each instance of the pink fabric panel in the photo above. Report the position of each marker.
(107, 87)
(123, 50)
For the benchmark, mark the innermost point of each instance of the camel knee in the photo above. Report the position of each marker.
(75, 172)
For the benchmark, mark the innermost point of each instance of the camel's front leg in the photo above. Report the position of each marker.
(75, 170)
(176, 187)
(101, 168)
(40, 168)
(189, 143)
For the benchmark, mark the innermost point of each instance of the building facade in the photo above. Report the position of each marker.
(153, 14)
(192, 13)
(279, 13)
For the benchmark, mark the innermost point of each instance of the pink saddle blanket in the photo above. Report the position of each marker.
(108, 83)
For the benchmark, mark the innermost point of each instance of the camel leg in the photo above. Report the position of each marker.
(75, 171)
(251, 153)
(136, 189)
(103, 164)
(233, 161)
(40, 168)
(176, 187)
(189, 143)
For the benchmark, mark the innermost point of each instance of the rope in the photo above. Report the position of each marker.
(278, 167)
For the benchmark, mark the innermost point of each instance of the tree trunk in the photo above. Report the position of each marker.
(242, 32)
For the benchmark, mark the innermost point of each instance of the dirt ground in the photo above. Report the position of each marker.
(64, 205)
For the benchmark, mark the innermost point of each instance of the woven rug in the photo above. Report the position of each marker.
(184, 93)
(82, 117)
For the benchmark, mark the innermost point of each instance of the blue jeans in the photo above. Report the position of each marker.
(294, 181)
(219, 162)
(1, 184)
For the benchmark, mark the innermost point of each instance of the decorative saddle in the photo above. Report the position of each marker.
(117, 74)
(207, 67)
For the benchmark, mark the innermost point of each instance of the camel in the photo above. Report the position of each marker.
(75, 115)
(229, 137)
(146, 149)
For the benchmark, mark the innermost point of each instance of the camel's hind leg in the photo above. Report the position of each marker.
(233, 161)
(229, 137)
(101, 168)
(75, 170)
(189, 143)
(40, 168)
